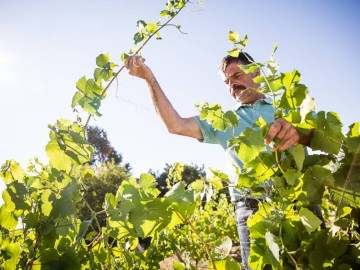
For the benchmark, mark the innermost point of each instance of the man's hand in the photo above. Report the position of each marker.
(286, 134)
(135, 65)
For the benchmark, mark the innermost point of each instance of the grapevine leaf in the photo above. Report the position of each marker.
(222, 248)
(353, 137)
(234, 52)
(307, 106)
(164, 13)
(328, 136)
(292, 177)
(271, 241)
(233, 36)
(272, 67)
(15, 197)
(92, 87)
(76, 98)
(124, 56)
(315, 179)
(13, 250)
(227, 263)
(57, 157)
(7, 218)
(148, 185)
(197, 185)
(105, 74)
(182, 200)
(138, 37)
(11, 171)
(250, 68)
(81, 84)
(63, 204)
(293, 97)
(309, 220)
(291, 239)
(216, 117)
(84, 226)
(102, 59)
(298, 152)
(151, 27)
(46, 205)
(150, 217)
(248, 145)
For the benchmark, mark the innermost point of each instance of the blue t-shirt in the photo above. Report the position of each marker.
(248, 115)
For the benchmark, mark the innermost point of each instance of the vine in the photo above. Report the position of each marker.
(40, 227)
(286, 231)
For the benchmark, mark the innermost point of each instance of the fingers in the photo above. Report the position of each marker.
(134, 62)
(286, 134)
(135, 65)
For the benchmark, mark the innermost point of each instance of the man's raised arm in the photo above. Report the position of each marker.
(173, 121)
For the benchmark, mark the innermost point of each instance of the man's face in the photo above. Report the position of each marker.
(241, 85)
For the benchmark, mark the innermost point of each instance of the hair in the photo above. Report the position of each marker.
(243, 58)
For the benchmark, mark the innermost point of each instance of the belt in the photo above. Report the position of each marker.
(248, 202)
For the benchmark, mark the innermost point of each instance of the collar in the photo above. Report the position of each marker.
(261, 100)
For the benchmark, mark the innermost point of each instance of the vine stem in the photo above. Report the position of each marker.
(137, 52)
(278, 162)
(200, 238)
(287, 252)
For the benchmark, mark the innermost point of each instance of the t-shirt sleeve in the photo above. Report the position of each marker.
(207, 131)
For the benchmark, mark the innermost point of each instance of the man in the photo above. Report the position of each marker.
(251, 105)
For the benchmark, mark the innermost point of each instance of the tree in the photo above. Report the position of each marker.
(108, 177)
(104, 151)
(190, 173)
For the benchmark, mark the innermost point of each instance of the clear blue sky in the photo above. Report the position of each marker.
(46, 46)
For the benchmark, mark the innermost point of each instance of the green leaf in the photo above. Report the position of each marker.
(216, 117)
(63, 204)
(57, 157)
(151, 27)
(328, 136)
(68, 145)
(226, 264)
(271, 241)
(76, 98)
(233, 36)
(13, 250)
(151, 217)
(249, 144)
(11, 171)
(292, 177)
(309, 220)
(197, 185)
(298, 152)
(81, 84)
(183, 201)
(46, 204)
(315, 180)
(138, 37)
(102, 59)
(222, 247)
(353, 137)
(124, 56)
(7, 219)
(84, 226)
(92, 87)
(15, 197)
(164, 13)
(148, 184)
(178, 266)
(250, 68)
(234, 52)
